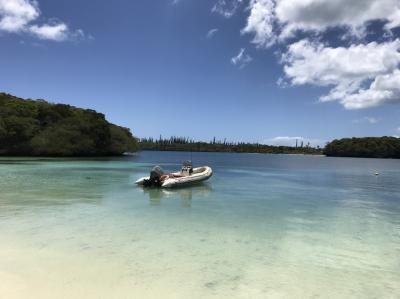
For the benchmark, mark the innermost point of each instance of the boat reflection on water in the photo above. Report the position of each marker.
(186, 195)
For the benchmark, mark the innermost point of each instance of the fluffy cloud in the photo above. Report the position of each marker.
(57, 32)
(15, 15)
(226, 8)
(272, 20)
(318, 15)
(384, 89)
(242, 59)
(18, 16)
(261, 22)
(360, 76)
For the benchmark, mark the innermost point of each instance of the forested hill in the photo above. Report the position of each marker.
(368, 147)
(39, 128)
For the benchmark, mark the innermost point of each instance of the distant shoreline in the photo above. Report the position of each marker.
(181, 151)
(60, 156)
(187, 145)
(276, 154)
(230, 152)
(366, 147)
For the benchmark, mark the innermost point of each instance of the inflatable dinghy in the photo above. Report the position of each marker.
(187, 176)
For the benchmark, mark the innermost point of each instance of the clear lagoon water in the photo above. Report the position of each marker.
(264, 226)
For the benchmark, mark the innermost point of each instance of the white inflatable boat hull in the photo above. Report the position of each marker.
(199, 174)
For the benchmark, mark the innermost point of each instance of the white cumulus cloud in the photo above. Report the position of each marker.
(15, 15)
(261, 22)
(57, 32)
(21, 16)
(360, 76)
(241, 59)
(272, 20)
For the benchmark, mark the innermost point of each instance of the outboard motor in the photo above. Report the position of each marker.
(155, 177)
(187, 168)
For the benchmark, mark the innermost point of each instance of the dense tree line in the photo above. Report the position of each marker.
(187, 144)
(368, 147)
(36, 127)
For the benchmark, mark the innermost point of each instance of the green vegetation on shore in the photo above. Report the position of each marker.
(185, 144)
(39, 128)
(368, 147)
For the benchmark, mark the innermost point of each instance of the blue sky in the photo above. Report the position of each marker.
(246, 70)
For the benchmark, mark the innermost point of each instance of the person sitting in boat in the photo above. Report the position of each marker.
(157, 175)
(170, 176)
(186, 170)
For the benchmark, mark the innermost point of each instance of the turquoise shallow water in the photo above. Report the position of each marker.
(264, 226)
